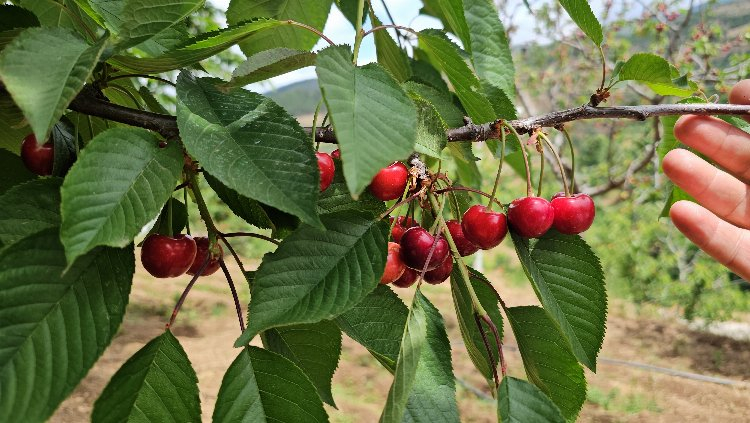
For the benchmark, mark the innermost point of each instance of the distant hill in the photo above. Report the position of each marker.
(299, 98)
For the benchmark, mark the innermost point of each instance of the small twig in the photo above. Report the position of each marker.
(476, 191)
(234, 254)
(381, 27)
(234, 294)
(139, 75)
(390, 210)
(311, 29)
(251, 235)
(186, 291)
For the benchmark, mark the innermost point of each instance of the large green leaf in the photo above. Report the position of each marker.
(250, 144)
(197, 49)
(14, 171)
(143, 19)
(646, 67)
(483, 361)
(548, 360)
(490, 50)
(54, 13)
(156, 384)
(309, 12)
(440, 100)
(451, 12)
(261, 387)
(16, 17)
(377, 322)
(42, 91)
(445, 55)
(581, 13)
(269, 63)
(315, 348)
(520, 401)
(317, 274)
(390, 55)
(413, 341)
(433, 395)
(431, 139)
(568, 279)
(373, 117)
(29, 208)
(118, 185)
(52, 327)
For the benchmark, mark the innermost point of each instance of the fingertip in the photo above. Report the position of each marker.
(677, 163)
(686, 128)
(740, 94)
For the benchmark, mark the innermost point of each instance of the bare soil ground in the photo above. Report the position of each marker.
(207, 327)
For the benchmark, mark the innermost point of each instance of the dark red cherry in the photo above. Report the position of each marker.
(336, 154)
(407, 279)
(573, 214)
(327, 170)
(394, 267)
(416, 244)
(530, 217)
(464, 246)
(37, 158)
(390, 182)
(202, 252)
(402, 224)
(486, 229)
(441, 273)
(166, 257)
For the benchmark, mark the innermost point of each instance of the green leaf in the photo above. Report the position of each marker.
(348, 8)
(441, 101)
(468, 326)
(583, 16)
(568, 279)
(337, 198)
(413, 341)
(549, 363)
(250, 144)
(29, 208)
(12, 17)
(451, 12)
(309, 12)
(53, 13)
(143, 19)
(389, 54)
(118, 185)
(431, 138)
(261, 386)
(377, 323)
(520, 401)
(268, 64)
(53, 328)
(373, 117)
(64, 146)
(179, 218)
(41, 91)
(14, 171)
(444, 54)
(315, 348)
(490, 49)
(423, 72)
(668, 141)
(646, 67)
(433, 394)
(675, 194)
(197, 49)
(248, 210)
(317, 274)
(157, 383)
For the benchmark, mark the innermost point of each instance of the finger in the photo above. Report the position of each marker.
(728, 146)
(728, 244)
(720, 192)
(741, 94)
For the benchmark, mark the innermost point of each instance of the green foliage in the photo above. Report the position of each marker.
(520, 401)
(29, 208)
(270, 63)
(580, 12)
(156, 384)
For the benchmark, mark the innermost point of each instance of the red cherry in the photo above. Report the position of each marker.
(486, 229)
(336, 154)
(441, 273)
(464, 246)
(531, 217)
(407, 279)
(416, 244)
(394, 267)
(167, 257)
(390, 182)
(573, 214)
(402, 224)
(37, 158)
(327, 170)
(202, 252)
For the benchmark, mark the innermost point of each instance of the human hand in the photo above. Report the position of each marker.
(720, 225)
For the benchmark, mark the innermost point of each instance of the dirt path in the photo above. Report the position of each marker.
(207, 327)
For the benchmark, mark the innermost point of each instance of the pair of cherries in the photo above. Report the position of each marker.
(388, 184)
(532, 217)
(412, 250)
(169, 257)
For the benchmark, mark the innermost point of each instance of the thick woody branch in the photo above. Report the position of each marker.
(91, 102)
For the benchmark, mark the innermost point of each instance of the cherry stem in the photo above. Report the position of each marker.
(572, 158)
(498, 344)
(358, 34)
(185, 199)
(234, 254)
(476, 191)
(236, 298)
(546, 140)
(202, 208)
(529, 191)
(311, 29)
(541, 174)
(381, 27)
(141, 75)
(170, 230)
(315, 124)
(503, 137)
(390, 210)
(478, 320)
(604, 68)
(251, 235)
(185, 292)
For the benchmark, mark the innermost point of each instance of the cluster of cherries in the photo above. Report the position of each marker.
(169, 257)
